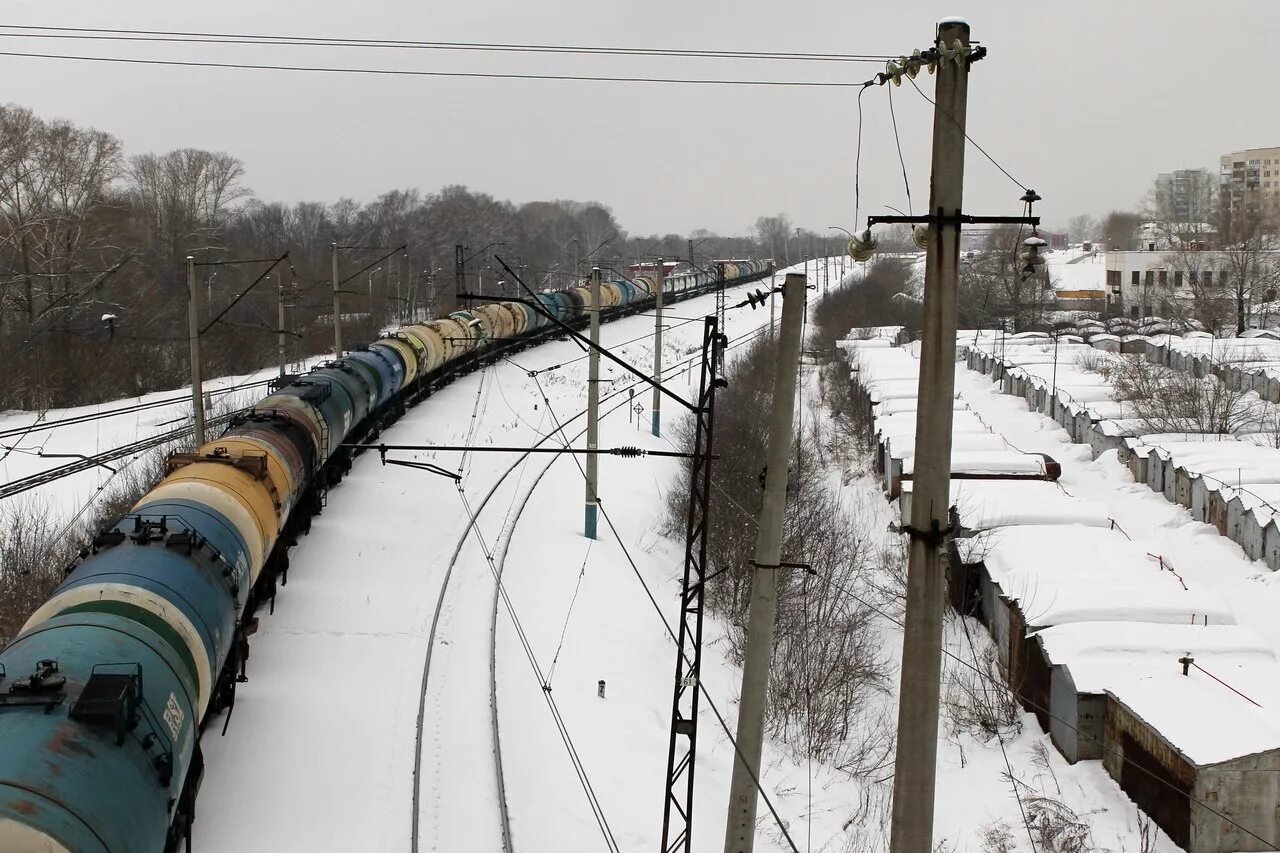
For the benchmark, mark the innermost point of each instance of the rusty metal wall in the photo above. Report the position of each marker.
(1151, 772)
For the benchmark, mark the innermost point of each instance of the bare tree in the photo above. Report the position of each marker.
(1082, 228)
(774, 236)
(1120, 230)
(1251, 268)
(995, 286)
(1166, 400)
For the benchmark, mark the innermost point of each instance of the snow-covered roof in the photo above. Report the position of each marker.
(911, 404)
(904, 422)
(1074, 270)
(870, 335)
(987, 463)
(1204, 718)
(985, 504)
(1138, 664)
(1076, 573)
(1100, 654)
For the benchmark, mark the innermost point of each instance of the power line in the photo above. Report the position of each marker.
(898, 142)
(701, 683)
(71, 299)
(982, 150)
(168, 36)
(578, 766)
(857, 160)
(1013, 783)
(399, 72)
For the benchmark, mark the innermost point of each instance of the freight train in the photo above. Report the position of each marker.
(105, 691)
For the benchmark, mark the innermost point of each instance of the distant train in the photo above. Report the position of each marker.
(111, 681)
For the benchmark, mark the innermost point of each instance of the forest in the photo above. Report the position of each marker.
(94, 244)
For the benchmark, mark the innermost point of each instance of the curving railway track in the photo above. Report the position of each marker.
(501, 547)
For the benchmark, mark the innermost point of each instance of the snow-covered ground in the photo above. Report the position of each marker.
(322, 750)
(1209, 565)
(29, 451)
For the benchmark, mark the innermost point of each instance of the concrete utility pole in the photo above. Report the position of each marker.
(337, 309)
(916, 764)
(660, 280)
(739, 834)
(193, 330)
(593, 406)
(280, 349)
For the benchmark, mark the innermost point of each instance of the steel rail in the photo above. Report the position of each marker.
(462, 538)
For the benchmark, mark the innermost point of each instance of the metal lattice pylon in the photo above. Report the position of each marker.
(677, 810)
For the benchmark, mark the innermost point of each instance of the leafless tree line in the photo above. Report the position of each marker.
(828, 673)
(93, 245)
(1165, 400)
(38, 545)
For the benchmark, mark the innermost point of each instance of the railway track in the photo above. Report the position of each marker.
(100, 460)
(502, 545)
(88, 417)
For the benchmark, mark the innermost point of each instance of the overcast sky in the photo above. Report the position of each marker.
(1085, 101)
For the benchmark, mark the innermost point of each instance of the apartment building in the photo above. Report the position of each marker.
(1186, 195)
(1250, 181)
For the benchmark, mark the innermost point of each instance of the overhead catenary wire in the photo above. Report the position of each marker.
(701, 683)
(371, 264)
(404, 72)
(575, 758)
(242, 294)
(105, 34)
(41, 425)
(582, 573)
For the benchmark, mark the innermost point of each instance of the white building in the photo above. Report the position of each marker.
(1147, 283)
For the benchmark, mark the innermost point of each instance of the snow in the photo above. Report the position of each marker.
(327, 721)
(320, 754)
(1177, 706)
(984, 504)
(20, 454)
(1224, 585)
(1105, 655)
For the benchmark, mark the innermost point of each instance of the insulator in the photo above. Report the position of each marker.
(862, 246)
(920, 236)
(1033, 246)
(912, 64)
